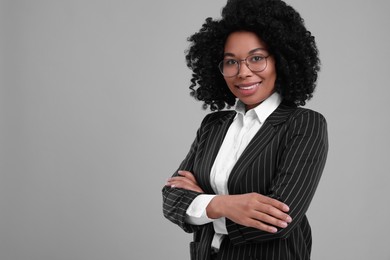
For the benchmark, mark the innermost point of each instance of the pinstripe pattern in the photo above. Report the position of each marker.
(284, 160)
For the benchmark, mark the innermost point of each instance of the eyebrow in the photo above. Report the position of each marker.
(250, 52)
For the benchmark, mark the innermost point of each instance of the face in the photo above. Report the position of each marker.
(250, 87)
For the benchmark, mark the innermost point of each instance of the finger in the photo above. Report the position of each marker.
(273, 202)
(188, 175)
(262, 226)
(177, 184)
(183, 184)
(265, 218)
(182, 179)
(187, 187)
(273, 212)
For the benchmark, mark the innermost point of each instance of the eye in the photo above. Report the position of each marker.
(256, 58)
(230, 62)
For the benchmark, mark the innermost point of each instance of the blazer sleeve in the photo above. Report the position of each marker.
(176, 201)
(300, 161)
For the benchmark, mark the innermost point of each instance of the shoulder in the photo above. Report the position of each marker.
(218, 117)
(293, 118)
(307, 122)
(286, 114)
(306, 114)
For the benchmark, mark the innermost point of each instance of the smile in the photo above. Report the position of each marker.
(248, 87)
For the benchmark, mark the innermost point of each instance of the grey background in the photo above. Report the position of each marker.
(95, 115)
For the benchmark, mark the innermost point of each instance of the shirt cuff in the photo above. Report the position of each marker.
(196, 212)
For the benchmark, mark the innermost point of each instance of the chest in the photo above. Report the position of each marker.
(255, 168)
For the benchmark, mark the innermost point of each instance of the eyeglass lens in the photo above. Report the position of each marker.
(231, 67)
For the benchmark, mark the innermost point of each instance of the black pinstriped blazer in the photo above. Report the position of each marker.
(284, 160)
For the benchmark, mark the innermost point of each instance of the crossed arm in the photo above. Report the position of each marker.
(250, 209)
(253, 216)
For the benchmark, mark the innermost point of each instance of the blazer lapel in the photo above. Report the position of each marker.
(258, 143)
(216, 135)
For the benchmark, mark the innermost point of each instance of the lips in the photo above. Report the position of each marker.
(248, 86)
(248, 89)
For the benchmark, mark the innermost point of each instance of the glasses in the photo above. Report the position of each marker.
(231, 67)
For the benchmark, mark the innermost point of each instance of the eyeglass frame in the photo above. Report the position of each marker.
(246, 63)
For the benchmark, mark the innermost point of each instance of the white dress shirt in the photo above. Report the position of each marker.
(240, 133)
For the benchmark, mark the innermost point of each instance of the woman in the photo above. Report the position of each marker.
(250, 175)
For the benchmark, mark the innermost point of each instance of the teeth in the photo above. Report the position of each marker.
(250, 87)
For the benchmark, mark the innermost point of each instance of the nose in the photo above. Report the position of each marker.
(244, 70)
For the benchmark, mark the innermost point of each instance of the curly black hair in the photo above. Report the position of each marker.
(279, 26)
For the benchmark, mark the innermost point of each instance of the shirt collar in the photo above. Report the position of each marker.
(263, 110)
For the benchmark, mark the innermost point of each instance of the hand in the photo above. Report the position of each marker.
(251, 210)
(186, 181)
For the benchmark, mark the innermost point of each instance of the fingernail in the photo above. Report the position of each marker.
(273, 230)
(289, 219)
(284, 224)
